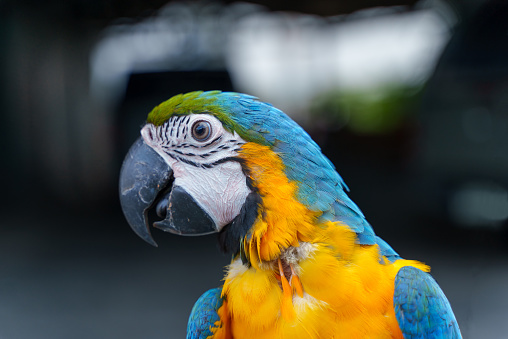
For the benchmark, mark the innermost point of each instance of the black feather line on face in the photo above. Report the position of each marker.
(237, 159)
(213, 141)
(232, 234)
(165, 134)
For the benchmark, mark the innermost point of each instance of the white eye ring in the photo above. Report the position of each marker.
(201, 130)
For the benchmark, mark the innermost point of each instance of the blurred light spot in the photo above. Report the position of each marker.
(284, 58)
(289, 60)
(376, 111)
(182, 36)
(480, 204)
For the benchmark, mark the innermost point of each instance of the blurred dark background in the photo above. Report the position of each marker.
(409, 99)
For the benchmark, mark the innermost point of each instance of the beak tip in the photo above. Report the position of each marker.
(149, 240)
(142, 230)
(152, 242)
(146, 236)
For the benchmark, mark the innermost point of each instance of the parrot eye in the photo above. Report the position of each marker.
(201, 130)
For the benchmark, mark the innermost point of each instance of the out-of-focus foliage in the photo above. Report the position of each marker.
(374, 111)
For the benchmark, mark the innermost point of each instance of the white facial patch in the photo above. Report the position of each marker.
(207, 168)
(220, 190)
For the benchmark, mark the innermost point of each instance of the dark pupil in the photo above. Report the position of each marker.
(200, 130)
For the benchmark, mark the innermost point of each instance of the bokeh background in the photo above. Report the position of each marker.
(408, 98)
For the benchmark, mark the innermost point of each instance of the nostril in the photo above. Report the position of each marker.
(162, 207)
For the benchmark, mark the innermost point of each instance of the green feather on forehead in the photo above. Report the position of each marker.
(215, 103)
(183, 104)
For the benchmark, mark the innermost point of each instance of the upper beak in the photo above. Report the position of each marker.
(146, 183)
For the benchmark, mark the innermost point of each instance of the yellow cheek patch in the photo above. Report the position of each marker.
(283, 221)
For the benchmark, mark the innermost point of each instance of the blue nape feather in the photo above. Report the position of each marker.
(320, 187)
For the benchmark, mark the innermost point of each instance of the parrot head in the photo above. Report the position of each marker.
(200, 162)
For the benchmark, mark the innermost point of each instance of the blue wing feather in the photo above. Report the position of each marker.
(204, 314)
(421, 307)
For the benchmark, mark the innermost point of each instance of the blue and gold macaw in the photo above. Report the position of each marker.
(306, 263)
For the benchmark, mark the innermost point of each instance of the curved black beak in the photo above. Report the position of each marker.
(143, 175)
(146, 184)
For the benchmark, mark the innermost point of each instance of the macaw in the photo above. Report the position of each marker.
(305, 261)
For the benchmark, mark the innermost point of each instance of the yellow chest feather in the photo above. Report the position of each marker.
(305, 280)
(345, 295)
